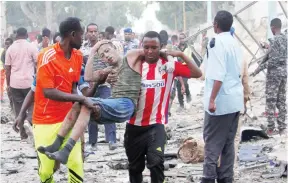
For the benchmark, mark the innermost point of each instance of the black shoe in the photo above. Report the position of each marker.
(204, 180)
(225, 180)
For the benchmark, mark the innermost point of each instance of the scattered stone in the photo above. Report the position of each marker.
(191, 151)
(118, 165)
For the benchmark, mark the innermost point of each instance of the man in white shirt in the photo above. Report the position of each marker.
(223, 101)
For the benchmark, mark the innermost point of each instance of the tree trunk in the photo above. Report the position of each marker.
(49, 14)
(3, 22)
(31, 15)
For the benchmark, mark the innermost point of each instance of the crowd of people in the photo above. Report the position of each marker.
(81, 78)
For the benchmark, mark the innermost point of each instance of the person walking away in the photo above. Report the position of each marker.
(8, 43)
(20, 62)
(223, 101)
(276, 79)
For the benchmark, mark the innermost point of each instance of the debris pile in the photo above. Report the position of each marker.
(191, 151)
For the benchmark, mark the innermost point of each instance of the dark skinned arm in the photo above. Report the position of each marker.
(194, 69)
(8, 74)
(216, 87)
(28, 101)
(74, 88)
(54, 94)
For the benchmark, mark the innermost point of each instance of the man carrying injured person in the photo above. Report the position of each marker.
(112, 110)
(120, 108)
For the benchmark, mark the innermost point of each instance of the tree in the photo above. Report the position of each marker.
(173, 10)
(34, 14)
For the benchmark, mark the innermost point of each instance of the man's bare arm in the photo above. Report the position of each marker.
(134, 55)
(194, 69)
(74, 88)
(28, 101)
(95, 76)
(8, 74)
(216, 87)
(54, 94)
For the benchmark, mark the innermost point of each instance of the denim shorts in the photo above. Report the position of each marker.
(114, 110)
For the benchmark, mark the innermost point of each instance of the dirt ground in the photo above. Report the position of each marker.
(19, 163)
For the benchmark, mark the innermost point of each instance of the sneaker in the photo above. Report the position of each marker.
(29, 132)
(91, 147)
(112, 145)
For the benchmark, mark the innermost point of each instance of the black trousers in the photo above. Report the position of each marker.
(187, 91)
(219, 134)
(18, 97)
(147, 141)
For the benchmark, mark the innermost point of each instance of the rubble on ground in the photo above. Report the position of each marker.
(18, 159)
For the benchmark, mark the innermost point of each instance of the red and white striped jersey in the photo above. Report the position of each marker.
(153, 101)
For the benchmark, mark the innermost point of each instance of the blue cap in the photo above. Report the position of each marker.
(232, 30)
(128, 30)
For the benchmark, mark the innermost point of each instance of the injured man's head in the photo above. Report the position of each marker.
(107, 52)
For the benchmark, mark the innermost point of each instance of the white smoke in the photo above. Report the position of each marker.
(149, 21)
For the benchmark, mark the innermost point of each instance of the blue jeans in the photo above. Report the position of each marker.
(114, 110)
(110, 128)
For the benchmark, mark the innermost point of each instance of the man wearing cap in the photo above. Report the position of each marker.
(129, 43)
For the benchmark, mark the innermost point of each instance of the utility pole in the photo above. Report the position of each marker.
(272, 13)
(175, 21)
(184, 17)
(3, 21)
(49, 14)
(209, 12)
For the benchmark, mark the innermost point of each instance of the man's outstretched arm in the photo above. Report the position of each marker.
(194, 71)
(28, 101)
(45, 79)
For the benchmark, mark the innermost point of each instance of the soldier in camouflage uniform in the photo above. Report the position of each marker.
(276, 79)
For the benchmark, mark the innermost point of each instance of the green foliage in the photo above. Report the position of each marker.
(104, 13)
(196, 12)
